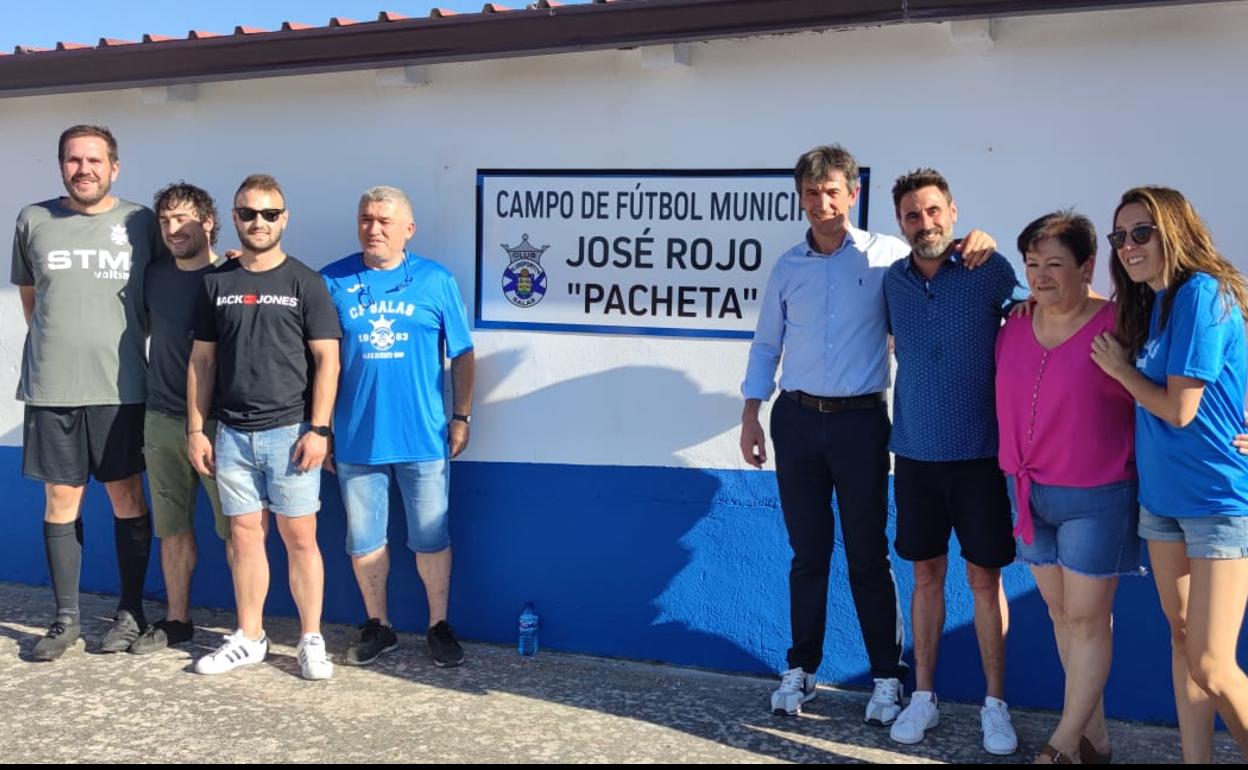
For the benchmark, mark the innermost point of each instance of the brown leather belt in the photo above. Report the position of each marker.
(836, 404)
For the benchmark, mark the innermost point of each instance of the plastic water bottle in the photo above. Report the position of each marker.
(529, 622)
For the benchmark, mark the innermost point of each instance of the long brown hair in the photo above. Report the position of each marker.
(1186, 248)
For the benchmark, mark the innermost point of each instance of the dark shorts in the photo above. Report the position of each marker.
(65, 445)
(967, 497)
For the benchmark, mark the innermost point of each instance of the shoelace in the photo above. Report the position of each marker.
(998, 718)
(56, 629)
(792, 679)
(886, 690)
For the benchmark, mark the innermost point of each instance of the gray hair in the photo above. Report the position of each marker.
(384, 193)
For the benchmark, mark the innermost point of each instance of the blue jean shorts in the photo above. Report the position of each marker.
(1088, 530)
(256, 470)
(424, 487)
(1207, 537)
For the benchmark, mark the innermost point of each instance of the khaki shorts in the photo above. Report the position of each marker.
(173, 480)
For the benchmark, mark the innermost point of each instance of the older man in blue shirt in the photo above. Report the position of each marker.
(944, 319)
(823, 311)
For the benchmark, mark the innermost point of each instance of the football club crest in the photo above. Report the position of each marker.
(524, 280)
(382, 336)
(119, 236)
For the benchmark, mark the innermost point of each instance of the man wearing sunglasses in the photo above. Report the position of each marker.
(396, 310)
(265, 359)
(79, 263)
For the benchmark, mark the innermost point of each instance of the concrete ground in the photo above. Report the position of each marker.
(498, 707)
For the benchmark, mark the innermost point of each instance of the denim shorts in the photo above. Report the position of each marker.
(1088, 530)
(424, 487)
(1207, 537)
(256, 470)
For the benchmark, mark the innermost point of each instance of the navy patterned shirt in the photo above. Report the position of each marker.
(944, 330)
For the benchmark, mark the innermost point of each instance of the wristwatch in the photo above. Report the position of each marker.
(464, 418)
(320, 430)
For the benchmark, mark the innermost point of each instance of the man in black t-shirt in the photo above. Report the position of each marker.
(265, 358)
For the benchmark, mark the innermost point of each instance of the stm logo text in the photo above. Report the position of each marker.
(104, 263)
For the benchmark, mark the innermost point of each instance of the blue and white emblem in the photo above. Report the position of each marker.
(382, 336)
(524, 280)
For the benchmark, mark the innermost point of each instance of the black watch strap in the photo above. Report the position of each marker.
(320, 430)
(464, 418)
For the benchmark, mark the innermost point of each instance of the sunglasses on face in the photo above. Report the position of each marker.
(249, 215)
(1140, 235)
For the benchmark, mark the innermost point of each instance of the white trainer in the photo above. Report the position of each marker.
(796, 687)
(994, 720)
(916, 719)
(313, 659)
(236, 651)
(885, 703)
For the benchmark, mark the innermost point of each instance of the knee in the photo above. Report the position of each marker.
(983, 582)
(1086, 624)
(1057, 613)
(929, 575)
(246, 533)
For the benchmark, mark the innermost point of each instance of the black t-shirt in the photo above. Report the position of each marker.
(261, 323)
(172, 297)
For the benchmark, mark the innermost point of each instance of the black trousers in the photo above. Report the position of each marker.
(846, 453)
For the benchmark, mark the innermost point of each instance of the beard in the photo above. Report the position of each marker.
(931, 249)
(188, 249)
(260, 241)
(101, 191)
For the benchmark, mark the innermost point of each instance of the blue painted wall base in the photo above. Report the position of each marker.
(679, 565)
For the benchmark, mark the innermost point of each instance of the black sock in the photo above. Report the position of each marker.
(133, 538)
(63, 543)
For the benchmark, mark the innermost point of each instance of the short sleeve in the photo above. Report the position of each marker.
(21, 272)
(320, 317)
(454, 320)
(1199, 330)
(205, 318)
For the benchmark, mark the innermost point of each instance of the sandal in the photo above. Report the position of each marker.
(1088, 754)
(1055, 756)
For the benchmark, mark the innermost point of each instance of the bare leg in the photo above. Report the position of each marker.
(63, 503)
(992, 622)
(435, 573)
(126, 495)
(371, 572)
(307, 571)
(178, 554)
(1215, 613)
(1172, 573)
(251, 570)
(927, 615)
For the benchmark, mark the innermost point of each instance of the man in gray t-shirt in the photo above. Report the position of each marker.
(79, 263)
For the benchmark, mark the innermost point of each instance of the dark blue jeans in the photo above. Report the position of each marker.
(846, 453)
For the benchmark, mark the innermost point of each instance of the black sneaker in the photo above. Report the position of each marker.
(445, 650)
(161, 634)
(122, 633)
(59, 638)
(375, 639)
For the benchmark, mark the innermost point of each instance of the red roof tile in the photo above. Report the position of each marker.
(441, 13)
(340, 21)
(67, 46)
(295, 26)
(200, 34)
(241, 30)
(107, 42)
(391, 16)
(150, 38)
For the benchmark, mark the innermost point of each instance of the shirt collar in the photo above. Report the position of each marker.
(859, 238)
(954, 258)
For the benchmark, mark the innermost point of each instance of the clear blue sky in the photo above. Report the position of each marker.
(43, 23)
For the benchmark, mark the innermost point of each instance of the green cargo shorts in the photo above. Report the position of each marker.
(173, 480)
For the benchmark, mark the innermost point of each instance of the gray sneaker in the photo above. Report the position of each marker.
(122, 633)
(59, 638)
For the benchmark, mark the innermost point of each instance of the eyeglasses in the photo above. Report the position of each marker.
(1140, 235)
(248, 215)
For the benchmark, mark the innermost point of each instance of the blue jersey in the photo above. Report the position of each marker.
(1195, 471)
(396, 324)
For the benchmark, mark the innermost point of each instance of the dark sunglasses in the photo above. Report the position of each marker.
(1140, 235)
(248, 215)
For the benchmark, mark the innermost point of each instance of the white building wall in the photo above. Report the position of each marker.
(1063, 110)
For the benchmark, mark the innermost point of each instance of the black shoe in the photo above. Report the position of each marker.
(445, 650)
(59, 638)
(375, 639)
(161, 634)
(122, 633)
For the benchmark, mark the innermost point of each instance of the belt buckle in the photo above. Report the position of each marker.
(823, 401)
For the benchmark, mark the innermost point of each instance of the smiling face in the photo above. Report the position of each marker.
(1055, 277)
(1143, 262)
(87, 171)
(827, 203)
(259, 234)
(926, 218)
(184, 234)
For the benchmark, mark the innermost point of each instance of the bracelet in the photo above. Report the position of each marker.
(190, 433)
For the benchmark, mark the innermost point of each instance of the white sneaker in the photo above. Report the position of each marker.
(237, 650)
(916, 719)
(885, 703)
(994, 720)
(313, 660)
(796, 688)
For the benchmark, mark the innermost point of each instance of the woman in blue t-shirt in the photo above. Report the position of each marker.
(1181, 309)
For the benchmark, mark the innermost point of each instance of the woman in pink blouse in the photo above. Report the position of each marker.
(1067, 448)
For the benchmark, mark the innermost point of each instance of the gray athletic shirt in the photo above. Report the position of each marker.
(86, 340)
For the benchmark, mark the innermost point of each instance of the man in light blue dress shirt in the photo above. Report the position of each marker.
(823, 311)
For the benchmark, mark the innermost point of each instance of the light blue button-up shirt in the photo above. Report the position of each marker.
(826, 314)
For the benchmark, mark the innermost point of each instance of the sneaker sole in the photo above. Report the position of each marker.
(448, 663)
(797, 711)
(348, 662)
(1011, 752)
(879, 722)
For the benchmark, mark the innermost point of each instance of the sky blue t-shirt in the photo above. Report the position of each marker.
(1195, 471)
(395, 324)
